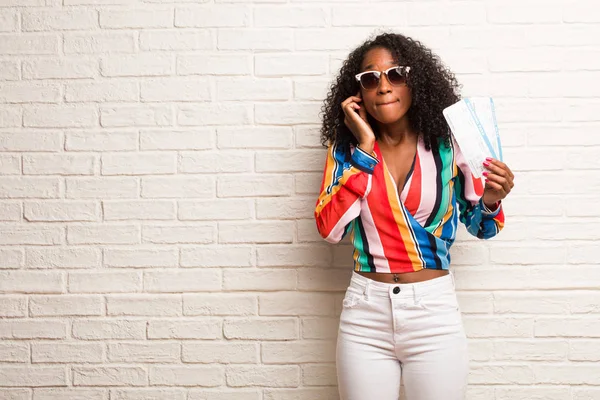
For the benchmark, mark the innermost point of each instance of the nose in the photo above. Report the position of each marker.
(384, 85)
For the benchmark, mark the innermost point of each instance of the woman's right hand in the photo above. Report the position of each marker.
(357, 122)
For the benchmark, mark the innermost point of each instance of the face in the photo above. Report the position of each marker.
(386, 103)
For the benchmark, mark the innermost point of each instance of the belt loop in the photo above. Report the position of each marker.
(453, 281)
(414, 290)
(366, 290)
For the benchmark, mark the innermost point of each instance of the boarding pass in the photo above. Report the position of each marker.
(473, 123)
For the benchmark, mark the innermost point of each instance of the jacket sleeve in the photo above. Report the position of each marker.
(479, 220)
(346, 180)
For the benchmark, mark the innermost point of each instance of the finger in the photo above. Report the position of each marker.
(502, 165)
(496, 169)
(504, 184)
(494, 185)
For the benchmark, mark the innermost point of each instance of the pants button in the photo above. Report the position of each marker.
(396, 290)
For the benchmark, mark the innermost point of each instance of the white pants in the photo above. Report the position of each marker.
(412, 332)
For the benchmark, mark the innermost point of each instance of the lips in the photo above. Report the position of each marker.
(384, 104)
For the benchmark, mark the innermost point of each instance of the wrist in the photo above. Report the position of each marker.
(367, 147)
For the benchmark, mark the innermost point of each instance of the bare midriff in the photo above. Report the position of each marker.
(405, 277)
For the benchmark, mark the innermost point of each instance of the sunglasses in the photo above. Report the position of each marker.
(397, 76)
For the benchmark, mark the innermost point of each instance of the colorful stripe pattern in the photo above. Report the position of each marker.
(404, 232)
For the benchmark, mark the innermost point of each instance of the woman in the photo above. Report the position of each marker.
(394, 179)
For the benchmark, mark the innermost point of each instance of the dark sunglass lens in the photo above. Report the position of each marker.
(397, 76)
(369, 81)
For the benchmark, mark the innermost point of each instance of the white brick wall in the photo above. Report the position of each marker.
(159, 164)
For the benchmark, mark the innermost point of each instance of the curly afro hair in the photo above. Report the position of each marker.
(433, 86)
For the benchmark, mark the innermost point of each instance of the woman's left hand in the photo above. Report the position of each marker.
(498, 183)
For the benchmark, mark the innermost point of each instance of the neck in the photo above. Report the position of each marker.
(395, 134)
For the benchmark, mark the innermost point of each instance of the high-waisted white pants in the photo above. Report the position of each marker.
(412, 332)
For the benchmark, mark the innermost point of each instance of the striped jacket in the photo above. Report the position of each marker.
(407, 232)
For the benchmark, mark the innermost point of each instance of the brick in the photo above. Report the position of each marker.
(189, 280)
(27, 329)
(59, 116)
(178, 187)
(296, 304)
(319, 374)
(69, 19)
(331, 38)
(583, 350)
(221, 16)
(136, 18)
(106, 91)
(14, 352)
(319, 279)
(144, 353)
(224, 394)
(161, 234)
(95, 43)
(68, 394)
(294, 256)
(134, 116)
(214, 64)
(389, 15)
(139, 163)
(254, 185)
(254, 137)
(109, 376)
(319, 328)
(495, 327)
(213, 114)
(100, 141)
(286, 113)
(109, 329)
(232, 88)
(183, 329)
(66, 305)
(26, 234)
(554, 392)
(489, 374)
(103, 234)
(222, 353)
(198, 139)
(8, 20)
(136, 65)
(58, 164)
(143, 304)
(259, 280)
(256, 232)
(261, 329)
(221, 256)
(147, 394)
(255, 39)
(308, 183)
(280, 208)
(66, 352)
(220, 304)
(119, 210)
(310, 89)
(10, 116)
(219, 209)
(263, 376)
(29, 44)
(176, 40)
(291, 17)
(324, 393)
(140, 257)
(9, 70)
(215, 162)
(33, 376)
(203, 376)
(103, 282)
(13, 306)
(10, 164)
(28, 92)
(531, 350)
(567, 327)
(10, 211)
(60, 68)
(104, 187)
(175, 89)
(529, 13)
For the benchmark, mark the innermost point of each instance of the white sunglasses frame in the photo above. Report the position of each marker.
(378, 74)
